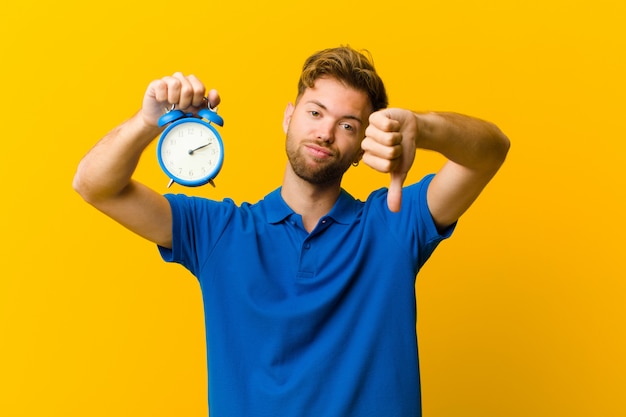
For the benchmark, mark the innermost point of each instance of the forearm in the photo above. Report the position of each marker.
(107, 168)
(472, 143)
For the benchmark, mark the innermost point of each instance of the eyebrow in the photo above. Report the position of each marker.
(347, 116)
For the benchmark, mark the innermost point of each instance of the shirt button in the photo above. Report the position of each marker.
(307, 246)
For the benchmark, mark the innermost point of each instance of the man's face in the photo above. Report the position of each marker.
(325, 129)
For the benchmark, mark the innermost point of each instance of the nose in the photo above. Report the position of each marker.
(326, 131)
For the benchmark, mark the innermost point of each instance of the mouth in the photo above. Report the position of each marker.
(317, 151)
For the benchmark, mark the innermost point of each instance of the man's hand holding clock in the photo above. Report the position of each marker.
(190, 150)
(188, 93)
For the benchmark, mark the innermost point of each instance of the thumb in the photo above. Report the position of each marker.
(394, 194)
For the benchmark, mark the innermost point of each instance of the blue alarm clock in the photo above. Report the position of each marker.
(190, 150)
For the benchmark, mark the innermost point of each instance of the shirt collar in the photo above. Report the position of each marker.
(276, 208)
(344, 211)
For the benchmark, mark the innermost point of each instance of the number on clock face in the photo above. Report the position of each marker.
(191, 151)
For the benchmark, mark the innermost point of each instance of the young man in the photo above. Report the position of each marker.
(308, 294)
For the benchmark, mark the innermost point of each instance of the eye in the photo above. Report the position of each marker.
(314, 113)
(348, 127)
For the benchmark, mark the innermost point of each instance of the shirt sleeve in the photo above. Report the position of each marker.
(197, 224)
(430, 235)
(414, 224)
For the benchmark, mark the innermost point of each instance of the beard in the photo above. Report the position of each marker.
(312, 170)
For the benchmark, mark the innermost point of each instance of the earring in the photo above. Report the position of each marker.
(355, 164)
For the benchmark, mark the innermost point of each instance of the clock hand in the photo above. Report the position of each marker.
(191, 151)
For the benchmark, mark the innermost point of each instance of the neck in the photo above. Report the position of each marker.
(311, 201)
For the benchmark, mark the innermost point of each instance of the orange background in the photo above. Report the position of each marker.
(521, 314)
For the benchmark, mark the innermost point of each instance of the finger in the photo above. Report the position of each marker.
(383, 120)
(214, 98)
(382, 153)
(171, 92)
(198, 90)
(376, 163)
(157, 90)
(185, 90)
(385, 134)
(394, 194)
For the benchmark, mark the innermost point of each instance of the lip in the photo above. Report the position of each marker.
(318, 151)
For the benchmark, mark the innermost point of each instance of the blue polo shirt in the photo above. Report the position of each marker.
(308, 324)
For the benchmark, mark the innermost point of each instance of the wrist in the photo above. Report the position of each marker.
(425, 125)
(141, 128)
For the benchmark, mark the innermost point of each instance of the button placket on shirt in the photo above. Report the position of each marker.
(308, 261)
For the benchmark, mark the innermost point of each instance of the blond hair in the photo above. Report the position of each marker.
(349, 66)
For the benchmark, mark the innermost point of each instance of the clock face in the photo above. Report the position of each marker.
(190, 152)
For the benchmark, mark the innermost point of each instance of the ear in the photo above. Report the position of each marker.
(287, 116)
(358, 158)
